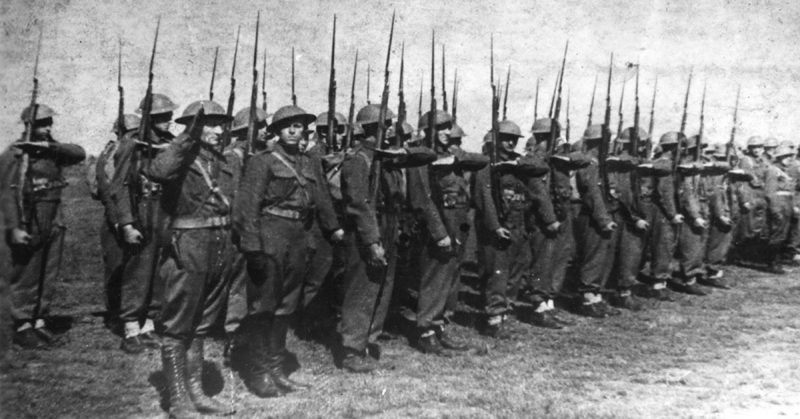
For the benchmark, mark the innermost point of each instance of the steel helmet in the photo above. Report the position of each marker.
(214, 113)
(543, 125)
(369, 115)
(408, 130)
(593, 132)
(783, 151)
(457, 131)
(441, 117)
(671, 138)
(42, 112)
(322, 120)
(508, 127)
(288, 114)
(241, 120)
(720, 150)
(130, 122)
(771, 142)
(625, 135)
(755, 141)
(161, 104)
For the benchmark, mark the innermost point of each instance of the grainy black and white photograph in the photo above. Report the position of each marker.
(424, 209)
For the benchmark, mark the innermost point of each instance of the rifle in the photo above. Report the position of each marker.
(121, 90)
(553, 98)
(678, 149)
(455, 95)
(568, 121)
(619, 113)
(432, 112)
(147, 106)
(604, 142)
(213, 75)
(730, 147)
(591, 104)
(505, 98)
(635, 143)
(369, 77)
(33, 108)
(375, 173)
(702, 124)
(332, 93)
(232, 95)
(264, 83)
(294, 97)
(252, 119)
(536, 103)
(444, 85)
(551, 146)
(495, 177)
(348, 141)
(401, 100)
(419, 105)
(653, 108)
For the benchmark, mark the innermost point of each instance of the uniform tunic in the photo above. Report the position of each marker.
(35, 266)
(779, 190)
(281, 192)
(720, 235)
(198, 188)
(628, 241)
(664, 240)
(111, 243)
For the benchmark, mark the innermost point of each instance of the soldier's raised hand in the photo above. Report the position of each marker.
(377, 255)
(20, 236)
(131, 235)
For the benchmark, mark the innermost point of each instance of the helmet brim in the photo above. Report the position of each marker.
(213, 119)
(304, 118)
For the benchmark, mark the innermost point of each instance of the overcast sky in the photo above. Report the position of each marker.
(728, 43)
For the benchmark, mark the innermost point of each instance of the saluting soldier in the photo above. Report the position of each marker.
(504, 253)
(594, 227)
(440, 196)
(140, 221)
(371, 223)
(98, 177)
(34, 225)
(550, 224)
(198, 183)
(281, 193)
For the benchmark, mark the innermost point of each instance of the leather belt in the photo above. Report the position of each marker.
(286, 213)
(188, 223)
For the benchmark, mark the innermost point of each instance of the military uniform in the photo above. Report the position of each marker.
(720, 234)
(793, 243)
(36, 265)
(779, 188)
(754, 224)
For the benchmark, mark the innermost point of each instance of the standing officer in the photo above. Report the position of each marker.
(36, 232)
(443, 230)
(141, 222)
(280, 194)
(199, 182)
(594, 227)
(779, 190)
(504, 252)
(372, 224)
(550, 224)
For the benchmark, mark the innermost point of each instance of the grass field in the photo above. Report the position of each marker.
(734, 353)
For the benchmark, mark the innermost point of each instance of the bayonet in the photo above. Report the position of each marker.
(455, 96)
(332, 123)
(213, 75)
(505, 98)
(591, 104)
(432, 113)
(252, 122)
(294, 96)
(351, 114)
(232, 95)
(264, 83)
(444, 86)
(730, 148)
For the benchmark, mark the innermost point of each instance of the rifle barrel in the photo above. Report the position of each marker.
(213, 75)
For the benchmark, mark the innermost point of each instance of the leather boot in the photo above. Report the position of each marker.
(173, 358)
(194, 382)
(276, 355)
(256, 378)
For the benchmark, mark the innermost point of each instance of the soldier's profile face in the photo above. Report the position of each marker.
(211, 134)
(292, 133)
(443, 134)
(757, 151)
(42, 130)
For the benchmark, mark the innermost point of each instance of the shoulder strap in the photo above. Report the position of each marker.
(299, 178)
(211, 184)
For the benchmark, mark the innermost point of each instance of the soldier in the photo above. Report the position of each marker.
(36, 232)
(793, 244)
(502, 226)
(594, 230)
(694, 194)
(440, 195)
(631, 215)
(658, 183)
(372, 225)
(720, 234)
(326, 261)
(753, 231)
(141, 222)
(779, 190)
(770, 147)
(7, 208)
(550, 225)
(280, 194)
(99, 177)
(198, 187)
(239, 127)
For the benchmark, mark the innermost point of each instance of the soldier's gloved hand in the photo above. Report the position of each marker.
(503, 233)
(337, 236)
(611, 226)
(700, 222)
(20, 236)
(642, 224)
(725, 220)
(677, 219)
(746, 207)
(131, 235)
(377, 255)
(553, 227)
